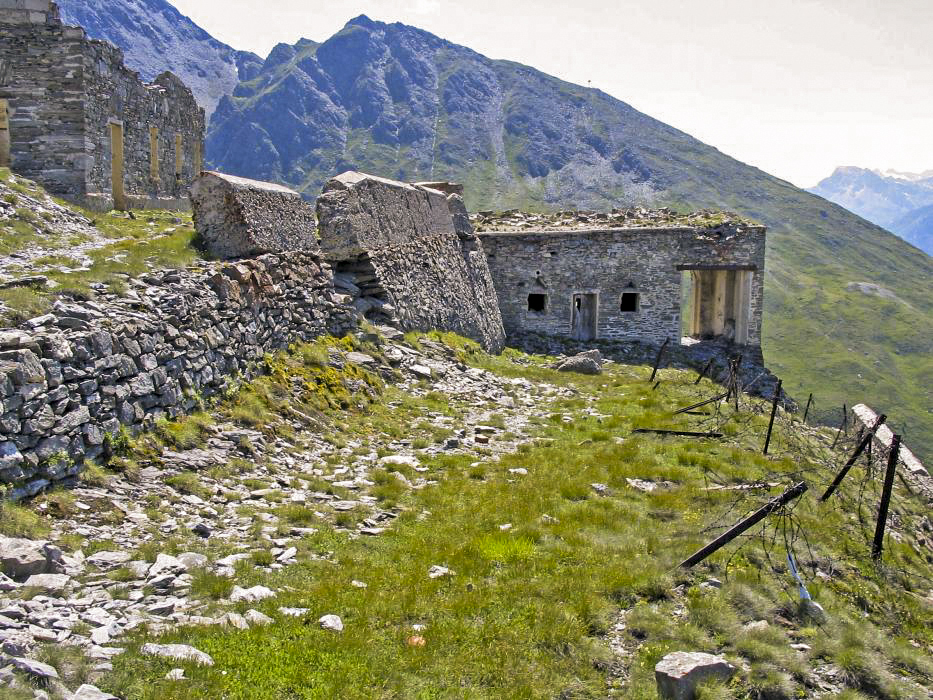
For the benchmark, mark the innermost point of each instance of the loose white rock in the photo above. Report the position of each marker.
(251, 595)
(679, 673)
(439, 572)
(332, 623)
(177, 652)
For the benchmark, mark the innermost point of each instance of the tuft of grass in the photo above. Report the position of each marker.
(207, 584)
(21, 521)
(188, 483)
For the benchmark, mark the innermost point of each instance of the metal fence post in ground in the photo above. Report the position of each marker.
(807, 410)
(842, 426)
(706, 369)
(886, 497)
(774, 405)
(657, 361)
(746, 524)
(869, 436)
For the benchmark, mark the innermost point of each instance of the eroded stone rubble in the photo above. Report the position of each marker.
(50, 596)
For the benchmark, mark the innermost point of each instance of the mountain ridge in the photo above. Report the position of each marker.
(156, 37)
(891, 199)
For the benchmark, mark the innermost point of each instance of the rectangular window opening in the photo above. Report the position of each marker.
(537, 303)
(154, 153)
(179, 157)
(629, 302)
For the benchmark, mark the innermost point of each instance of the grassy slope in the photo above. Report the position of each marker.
(527, 612)
(149, 240)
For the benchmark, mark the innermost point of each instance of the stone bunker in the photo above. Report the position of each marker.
(240, 218)
(632, 275)
(410, 251)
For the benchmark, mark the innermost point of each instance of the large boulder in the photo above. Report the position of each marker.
(589, 362)
(678, 674)
(240, 218)
(20, 558)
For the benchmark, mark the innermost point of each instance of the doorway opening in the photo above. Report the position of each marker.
(5, 160)
(717, 304)
(116, 167)
(584, 317)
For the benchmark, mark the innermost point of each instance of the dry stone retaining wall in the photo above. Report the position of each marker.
(69, 378)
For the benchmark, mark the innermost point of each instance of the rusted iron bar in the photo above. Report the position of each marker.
(746, 524)
(842, 427)
(806, 411)
(709, 366)
(683, 433)
(736, 382)
(869, 436)
(701, 404)
(655, 387)
(886, 498)
(774, 405)
(657, 361)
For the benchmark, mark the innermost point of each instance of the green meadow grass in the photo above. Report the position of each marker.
(527, 612)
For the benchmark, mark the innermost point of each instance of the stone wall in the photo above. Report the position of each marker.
(237, 218)
(65, 93)
(647, 262)
(400, 246)
(69, 378)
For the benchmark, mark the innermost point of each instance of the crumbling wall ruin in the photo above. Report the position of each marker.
(85, 126)
(238, 218)
(399, 244)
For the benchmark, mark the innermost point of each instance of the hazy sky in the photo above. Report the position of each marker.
(795, 87)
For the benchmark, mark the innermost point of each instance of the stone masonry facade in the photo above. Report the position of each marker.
(627, 283)
(85, 126)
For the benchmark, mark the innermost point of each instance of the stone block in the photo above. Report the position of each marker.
(679, 673)
(360, 213)
(237, 218)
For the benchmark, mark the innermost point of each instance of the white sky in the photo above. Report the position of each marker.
(795, 87)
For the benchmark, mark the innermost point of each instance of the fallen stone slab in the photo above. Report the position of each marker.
(34, 668)
(177, 652)
(251, 595)
(91, 692)
(52, 583)
(21, 558)
(679, 673)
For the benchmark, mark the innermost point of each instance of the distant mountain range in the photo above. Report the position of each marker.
(399, 102)
(900, 202)
(156, 37)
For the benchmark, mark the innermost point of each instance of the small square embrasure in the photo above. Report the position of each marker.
(537, 302)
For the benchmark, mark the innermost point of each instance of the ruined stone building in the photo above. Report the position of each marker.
(76, 120)
(633, 276)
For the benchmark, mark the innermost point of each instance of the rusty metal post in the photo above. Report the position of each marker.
(742, 526)
(869, 436)
(807, 409)
(657, 361)
(886, 498)
(774, 405)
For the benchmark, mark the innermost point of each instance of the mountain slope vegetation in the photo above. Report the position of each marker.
(397, 101)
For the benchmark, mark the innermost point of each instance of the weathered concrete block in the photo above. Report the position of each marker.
(237, 218)
(679, 673)
(361, 213)
(400, 246)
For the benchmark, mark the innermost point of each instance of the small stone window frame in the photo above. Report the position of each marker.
(537, 303)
